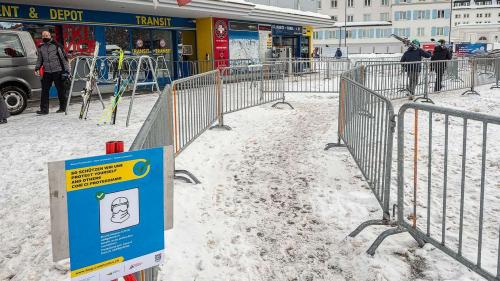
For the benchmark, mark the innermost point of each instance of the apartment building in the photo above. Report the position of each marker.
(476, 21)
(370, 23)
(303, 5)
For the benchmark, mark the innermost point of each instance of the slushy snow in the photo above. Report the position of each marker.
(273, 205)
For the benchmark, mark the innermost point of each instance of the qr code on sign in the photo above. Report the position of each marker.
(158, 257)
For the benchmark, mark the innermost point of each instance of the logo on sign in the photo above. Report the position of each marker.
(134, 265)
(221, 29)
(158, 257)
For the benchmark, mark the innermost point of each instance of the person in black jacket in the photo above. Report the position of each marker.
(52, 57)
(413, 54)
(441, 55)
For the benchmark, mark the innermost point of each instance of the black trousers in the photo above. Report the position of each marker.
(439, 79)
(47, 80)
(412, 81)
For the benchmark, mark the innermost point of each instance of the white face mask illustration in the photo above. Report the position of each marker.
(119, 209)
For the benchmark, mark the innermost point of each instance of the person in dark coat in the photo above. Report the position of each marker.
(413, 54)
(4, 111)
(338, 53)
(52, 57)
(441, 55)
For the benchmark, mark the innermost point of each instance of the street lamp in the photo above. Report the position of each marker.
(451, 16)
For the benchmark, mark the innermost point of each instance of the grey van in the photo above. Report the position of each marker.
(18, 81)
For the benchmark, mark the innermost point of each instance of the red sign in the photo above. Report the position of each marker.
(183, 2)
(429, 47)
(221, 43)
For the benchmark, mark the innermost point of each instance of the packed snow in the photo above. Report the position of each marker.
(273, 205)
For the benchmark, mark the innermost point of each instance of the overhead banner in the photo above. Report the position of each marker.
(221, 42)
(115, 214)
(286, 30)
(468, 49)
(16, 12)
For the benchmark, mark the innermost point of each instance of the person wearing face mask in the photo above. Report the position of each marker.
(441, 55)
(56, 68)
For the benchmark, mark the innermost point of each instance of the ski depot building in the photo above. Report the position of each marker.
(202, 30)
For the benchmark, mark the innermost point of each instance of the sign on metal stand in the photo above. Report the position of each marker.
(108, 212)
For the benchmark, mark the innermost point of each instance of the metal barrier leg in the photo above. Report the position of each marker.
(189, 177)
(381, 238)
(366, 224)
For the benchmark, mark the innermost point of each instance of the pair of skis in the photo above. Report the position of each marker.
(109, 114)
(90, 85)
(405, 41)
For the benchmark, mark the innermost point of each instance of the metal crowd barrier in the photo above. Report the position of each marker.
(314, 75)
(157, 128)
(456, 209)
(248, 86)
(366, 127)
(196, 106)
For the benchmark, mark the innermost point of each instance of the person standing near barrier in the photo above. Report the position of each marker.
(338, 53)
(413, 54)
(56, 70)
(441, 54)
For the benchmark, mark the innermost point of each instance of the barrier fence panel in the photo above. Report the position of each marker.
(366, 127)
(314, 75)
(448, 193)
(399, 80)
(248, 86)
(157, 129)
(196, 106)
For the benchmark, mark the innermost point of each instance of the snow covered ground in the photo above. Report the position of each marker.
(273, 205)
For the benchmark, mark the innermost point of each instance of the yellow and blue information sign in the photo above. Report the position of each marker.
(115, 214)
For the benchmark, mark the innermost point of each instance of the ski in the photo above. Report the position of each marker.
(405, 41)
(89, 85)
(109, 114)
(119, 84)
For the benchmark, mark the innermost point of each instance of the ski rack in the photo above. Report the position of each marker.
(86, 60)
(149, 69)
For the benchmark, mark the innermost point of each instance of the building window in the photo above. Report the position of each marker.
(440, 14)
(333, 3)
(385, 2)
(440, 31)
(335, 18)
(349, 34)
(479, 15)
(368, 3)
(350, 3)
(402, 15)
(420, 15)
(457, 16)
(350, 18)
(367, 17)
(483, 38)
(466, 16)
(319, 4)
(421, 31)
(384, 16)
(487, 15)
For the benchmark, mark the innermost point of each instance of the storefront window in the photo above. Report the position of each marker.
(117, 38)
(141, 38)
(162, 42)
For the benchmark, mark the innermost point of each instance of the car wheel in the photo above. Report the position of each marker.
(15, 98)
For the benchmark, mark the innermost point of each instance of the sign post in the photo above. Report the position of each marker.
(115, 212)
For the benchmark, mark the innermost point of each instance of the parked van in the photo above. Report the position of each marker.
(18, 82)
